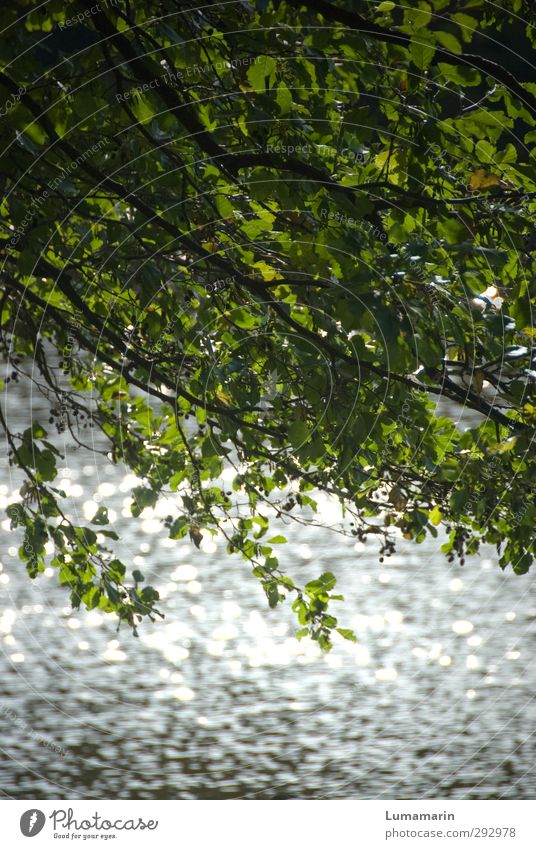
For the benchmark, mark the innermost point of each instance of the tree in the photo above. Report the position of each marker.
(272, 237)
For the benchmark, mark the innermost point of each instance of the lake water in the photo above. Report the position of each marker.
(436, 700)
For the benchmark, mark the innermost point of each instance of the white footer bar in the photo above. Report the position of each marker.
(270, 824)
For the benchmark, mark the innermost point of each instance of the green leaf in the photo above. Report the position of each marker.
(101, 516)
(16, 513)
(242, 318)
(422, 51)
(485, 152)
(262, 72)
(460, 74)
(347, 634)
(143, 497)
(224, 206)
(284, 99)
(298, 433)
(435, 515)
(449, 42)
(321, 585)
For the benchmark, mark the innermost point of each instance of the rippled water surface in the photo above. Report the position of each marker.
(435, 700)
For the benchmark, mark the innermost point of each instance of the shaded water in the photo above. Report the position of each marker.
(436, 700)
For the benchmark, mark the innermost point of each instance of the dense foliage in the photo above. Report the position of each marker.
(272, 236)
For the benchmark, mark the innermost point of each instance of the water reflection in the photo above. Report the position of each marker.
(435, 700)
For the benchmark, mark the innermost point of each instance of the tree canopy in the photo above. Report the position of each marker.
(271, 236)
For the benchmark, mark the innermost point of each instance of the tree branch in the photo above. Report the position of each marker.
(356, 22)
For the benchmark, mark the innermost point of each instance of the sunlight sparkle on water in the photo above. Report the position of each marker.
(129, 482)
(359, 622)
(72, 490)
(6, 620)
(462, 627)
(329, 508)
(184, 572)
(94, 619)
(386, 674)
(151, 526)
(334, 661)
(393, 617)
(161, 640)
(227, 631)
(230, 610)
(512, 655)
(184, 694)
(255, 625)
(114, 655)
(89, 508)
(360, 653)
